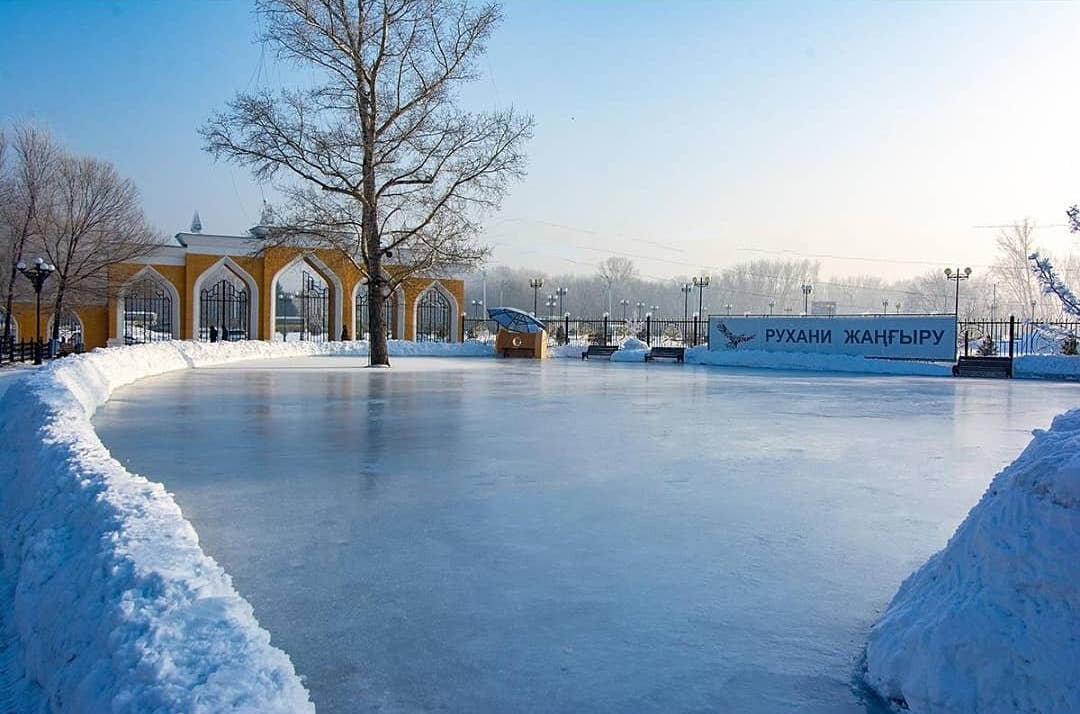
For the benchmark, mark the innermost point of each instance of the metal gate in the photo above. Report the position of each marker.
(433, 318)
(390, 310)
(147, 313)
(305, 314)
(225, 306)
(70, 328)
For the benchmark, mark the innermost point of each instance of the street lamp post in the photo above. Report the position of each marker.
(478, 307)
(885, 306)
(37, 275)
(957, 276)
(624, 302)
(772, 304)
(655, 311)
(639, 312)
(686, 289)
(700, 282)
(561, 292)
(550, 303)
(536, 284)
(807, 288)
(728, 308)
(897, 307)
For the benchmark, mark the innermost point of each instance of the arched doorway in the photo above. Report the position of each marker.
(434, 317)
(147, 309)
(225, 306)
(391, 307)
(71, 329)
(302, 305)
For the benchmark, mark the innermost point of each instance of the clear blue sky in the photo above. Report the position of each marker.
(687, 134)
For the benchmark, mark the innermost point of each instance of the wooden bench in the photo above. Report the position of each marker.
(675, 353)
(600, 351)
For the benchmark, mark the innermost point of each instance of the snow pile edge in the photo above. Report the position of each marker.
(107, 597)
(989, 624)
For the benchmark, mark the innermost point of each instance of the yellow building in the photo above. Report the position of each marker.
(234, 287)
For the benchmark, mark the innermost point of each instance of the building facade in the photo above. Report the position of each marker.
(234, 287)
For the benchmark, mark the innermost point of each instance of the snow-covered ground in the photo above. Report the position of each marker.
(489, 535)
(107, 603)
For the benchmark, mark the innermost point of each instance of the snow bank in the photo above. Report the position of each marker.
(108, 603)
(990, 623)
(1047, 367)
(631, 350)
(814, 362)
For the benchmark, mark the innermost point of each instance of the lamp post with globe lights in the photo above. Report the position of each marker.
(536, 284)
(956, 276)
(37, 274)
(700, 282)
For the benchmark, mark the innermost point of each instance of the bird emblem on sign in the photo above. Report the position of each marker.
(733, 340)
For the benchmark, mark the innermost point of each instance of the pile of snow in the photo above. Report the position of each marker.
(571, 351)
(631, 350)
(1047, 367)
(108, 603)
(813, 362)
(990, 623)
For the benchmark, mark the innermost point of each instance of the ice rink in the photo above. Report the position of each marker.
(475, 535)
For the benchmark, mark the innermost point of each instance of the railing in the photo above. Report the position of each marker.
(604, 331)
(1014, 338)
(12, 351)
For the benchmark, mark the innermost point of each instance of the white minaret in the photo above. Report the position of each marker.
(196, 224)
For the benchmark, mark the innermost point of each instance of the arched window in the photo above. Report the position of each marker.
(224, 304)
(302, 305)
(433, 315)
(71, 328)
(390, 311)
(146, 312)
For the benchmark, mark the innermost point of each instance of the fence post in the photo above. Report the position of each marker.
(1012, 334)
(967, 336)
(462, 333)
(648, 329)
(566, 329)
(605, 329)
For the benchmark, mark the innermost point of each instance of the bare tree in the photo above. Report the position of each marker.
(1012, 267)
(377, 156)
(88, 219)
(616, 270)
(24, 178)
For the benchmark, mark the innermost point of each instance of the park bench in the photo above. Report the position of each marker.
(599, 351)
(992, 367)
(675, 353)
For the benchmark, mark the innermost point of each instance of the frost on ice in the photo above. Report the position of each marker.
(990, 623)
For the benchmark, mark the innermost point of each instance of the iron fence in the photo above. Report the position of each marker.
(605, 331)
(1014, 338)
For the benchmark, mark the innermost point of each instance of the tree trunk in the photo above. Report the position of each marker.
(9, 300)
(58, 308)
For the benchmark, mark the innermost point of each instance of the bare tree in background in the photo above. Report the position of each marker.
(1012, 268)
(87, 219)
(24, 177)
(616, 270)
(378, 157)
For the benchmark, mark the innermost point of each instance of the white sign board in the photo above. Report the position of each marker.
(929, 337)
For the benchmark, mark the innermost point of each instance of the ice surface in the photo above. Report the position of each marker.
(564, 536)
(107, 603)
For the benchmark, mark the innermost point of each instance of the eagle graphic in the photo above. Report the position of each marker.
(733, 340)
